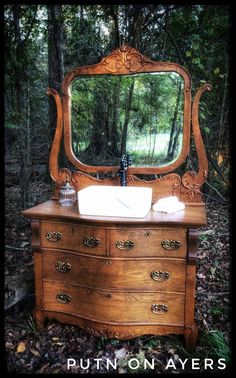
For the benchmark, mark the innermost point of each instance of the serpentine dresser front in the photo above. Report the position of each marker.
(116, 277)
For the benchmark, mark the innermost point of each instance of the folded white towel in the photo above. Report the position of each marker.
(168, 205)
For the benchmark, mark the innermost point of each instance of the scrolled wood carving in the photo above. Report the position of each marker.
(81, 180)
(191, 181)
(109, 334)
(168, 184)
(125, 57)
(58, 175)
(62, 175)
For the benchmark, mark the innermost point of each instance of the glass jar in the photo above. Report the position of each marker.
(67, 195)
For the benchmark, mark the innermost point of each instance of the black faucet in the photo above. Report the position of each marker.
(125, 162)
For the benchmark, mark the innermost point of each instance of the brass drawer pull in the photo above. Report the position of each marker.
(63, 298)
(159, 276)
(62, 266)
(53, 236)
(91, 241)
(125, 245)
(159, 309)
(171, 245)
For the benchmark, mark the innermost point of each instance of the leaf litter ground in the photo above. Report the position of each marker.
(29, 350)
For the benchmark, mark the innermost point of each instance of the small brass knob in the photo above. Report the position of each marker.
(53, 236)
(91, 241)
(170, 245)
(63, 298)
(159, 309)
(124, 245)
(63, 266)
(159, 276)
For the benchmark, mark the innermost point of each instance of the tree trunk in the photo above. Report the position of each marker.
(174, 133)
(115, 120)
(55, 61)
(126, 122)
(19, 110)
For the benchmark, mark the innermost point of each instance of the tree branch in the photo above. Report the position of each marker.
(31, 25)
(176, 46)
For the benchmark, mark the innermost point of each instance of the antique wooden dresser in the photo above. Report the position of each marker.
(121, 277)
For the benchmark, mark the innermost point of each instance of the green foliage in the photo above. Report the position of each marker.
(218, 310)
(10, 125)
(101, 343)
(215, 345)
(26, 70)
(212, 344)
(196, 36)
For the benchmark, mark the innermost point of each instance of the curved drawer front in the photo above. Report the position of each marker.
(90, 240)
(148, 242)
(109, 306)
(149, 274)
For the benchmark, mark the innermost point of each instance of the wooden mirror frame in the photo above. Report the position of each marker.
(125, 61)
(122, 61)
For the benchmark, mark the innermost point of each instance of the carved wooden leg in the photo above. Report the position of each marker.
(190, 336)
(39, 318)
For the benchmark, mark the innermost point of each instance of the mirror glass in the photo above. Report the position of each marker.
(139, 114)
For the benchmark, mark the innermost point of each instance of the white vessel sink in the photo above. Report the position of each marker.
(115, 201)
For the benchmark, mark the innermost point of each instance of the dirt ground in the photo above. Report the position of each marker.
(29, 350)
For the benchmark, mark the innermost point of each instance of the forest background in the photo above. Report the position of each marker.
(44, 42)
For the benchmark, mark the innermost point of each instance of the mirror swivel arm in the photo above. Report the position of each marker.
(59, 175)
(191, 179)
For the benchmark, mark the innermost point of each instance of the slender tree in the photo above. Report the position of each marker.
(55, 57)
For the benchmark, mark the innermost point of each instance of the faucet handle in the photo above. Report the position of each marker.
(129, 160)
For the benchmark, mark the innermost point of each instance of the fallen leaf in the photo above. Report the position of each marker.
(176, 357)
(35, 352)
(205, 324)
(200, 275)
(9, 345)
(122, 362)
(202, 256)
(56, 371)
(120, 353)
(43, 368)
(24, 244)
(208, 232)
(21, 347)
(121, 370)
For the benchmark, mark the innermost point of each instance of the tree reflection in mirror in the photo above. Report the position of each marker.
(139, 114)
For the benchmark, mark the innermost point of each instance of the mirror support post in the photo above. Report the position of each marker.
(192, 181)
(59, 176)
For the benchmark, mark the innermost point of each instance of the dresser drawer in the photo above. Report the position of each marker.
(110, 306)
(73, 237)
(126, 274)
(148, 242)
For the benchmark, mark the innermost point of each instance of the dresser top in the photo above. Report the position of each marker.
(191, 216)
